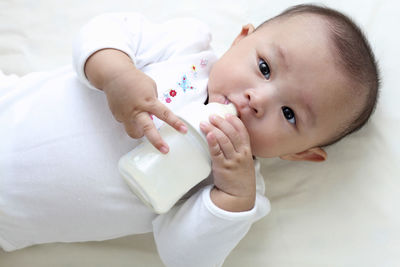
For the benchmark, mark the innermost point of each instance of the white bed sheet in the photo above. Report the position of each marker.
(343, 212)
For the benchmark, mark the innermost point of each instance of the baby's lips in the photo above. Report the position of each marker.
(238, 112)
(236, 107)
(226, 101)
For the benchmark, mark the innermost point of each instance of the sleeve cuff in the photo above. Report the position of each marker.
(80, 61)
(223, 214)
(102, 32)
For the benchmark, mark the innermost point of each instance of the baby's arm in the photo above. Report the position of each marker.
(131, 95)
(143, 43)
(199, 233)
(205, 229)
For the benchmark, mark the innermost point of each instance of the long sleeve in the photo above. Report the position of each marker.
(198, 233)
(143, 41)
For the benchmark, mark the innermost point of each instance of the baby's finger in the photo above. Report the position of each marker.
(133, 130)
(224, 144)
(215, 150)
(228, 129)
(144, 122)
(241, 134)
(213, 146)
(165, 114)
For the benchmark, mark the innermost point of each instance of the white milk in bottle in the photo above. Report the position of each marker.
(160, 180)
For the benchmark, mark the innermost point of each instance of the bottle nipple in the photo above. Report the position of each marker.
(221, 109)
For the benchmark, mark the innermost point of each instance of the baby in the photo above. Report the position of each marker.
(300, 81)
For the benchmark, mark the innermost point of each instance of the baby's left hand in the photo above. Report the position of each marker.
(232, 163)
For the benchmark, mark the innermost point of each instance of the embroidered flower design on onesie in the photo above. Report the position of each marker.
(172, 93)
(185, 83)
(204, 62)
(194, 71)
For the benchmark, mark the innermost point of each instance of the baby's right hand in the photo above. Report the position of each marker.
(132, 98)
(131, 95)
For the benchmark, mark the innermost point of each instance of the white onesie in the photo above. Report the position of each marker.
(60, 146)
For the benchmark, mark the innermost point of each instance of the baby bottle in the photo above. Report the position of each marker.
(160, 180)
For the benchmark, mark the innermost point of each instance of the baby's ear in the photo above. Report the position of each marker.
(315, 154)
(246, 30)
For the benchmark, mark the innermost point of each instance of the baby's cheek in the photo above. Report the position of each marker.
(261, 145)
(271, 144)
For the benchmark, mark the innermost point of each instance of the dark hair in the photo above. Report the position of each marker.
(356, 59)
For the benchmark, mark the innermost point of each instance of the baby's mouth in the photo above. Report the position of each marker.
(227, 101)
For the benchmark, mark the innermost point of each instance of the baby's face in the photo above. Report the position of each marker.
(282, 79)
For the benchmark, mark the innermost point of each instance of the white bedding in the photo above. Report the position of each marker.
(343, 212)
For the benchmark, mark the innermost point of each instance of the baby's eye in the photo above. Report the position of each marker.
(289, 115)
(264, 68)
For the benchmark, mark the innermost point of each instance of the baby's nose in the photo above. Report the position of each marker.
(255, 103)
